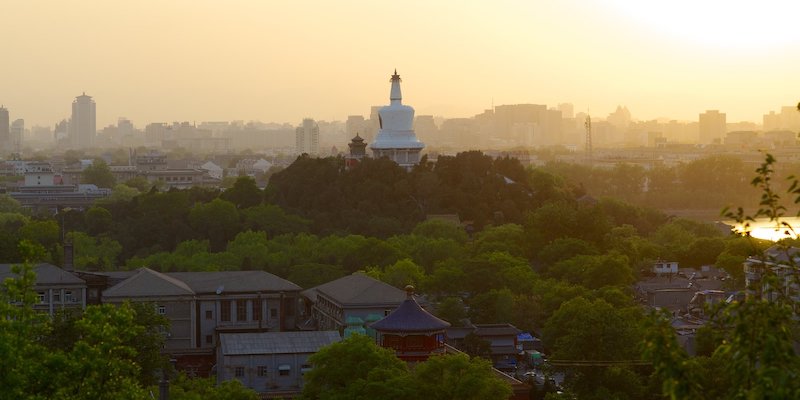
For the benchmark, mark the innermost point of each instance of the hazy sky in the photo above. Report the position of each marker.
(282, 60)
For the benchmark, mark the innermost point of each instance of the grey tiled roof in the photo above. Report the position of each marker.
(358, 289)
(234, 281)
(496, 330)
(275, 342)
(410, 317)
(146, 282)
(46, 274)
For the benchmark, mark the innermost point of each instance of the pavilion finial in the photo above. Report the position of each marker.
(409, 292)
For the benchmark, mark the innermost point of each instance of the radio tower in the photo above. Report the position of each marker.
(588, 125)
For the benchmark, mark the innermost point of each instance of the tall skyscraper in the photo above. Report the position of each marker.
(307, 137)
(16, 132)
(5, 133)
(712, 126)
(82, 126)
(396, 138)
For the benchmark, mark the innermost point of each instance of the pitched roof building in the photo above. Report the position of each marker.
(330, 305)
(56, 288)
(202, 305)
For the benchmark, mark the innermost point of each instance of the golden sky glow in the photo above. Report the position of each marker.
(283, 60)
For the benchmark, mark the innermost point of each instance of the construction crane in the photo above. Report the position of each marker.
(588, 125)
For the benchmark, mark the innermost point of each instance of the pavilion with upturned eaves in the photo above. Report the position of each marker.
(412, 332)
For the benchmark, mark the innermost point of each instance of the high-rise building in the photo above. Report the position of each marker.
(82, 126)
(5, 133)
(307, 137)
(712, 127)
(16, 132)
(396, 138)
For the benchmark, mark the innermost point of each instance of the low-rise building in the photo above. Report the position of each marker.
(57, 289)
(271, 363)
(202, 305)
(328, 306)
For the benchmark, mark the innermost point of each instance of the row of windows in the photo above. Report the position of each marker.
(263, 370)
(69, 297)
(179, 179)
(241, 311)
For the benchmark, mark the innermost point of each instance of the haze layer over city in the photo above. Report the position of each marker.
(274, 62)
(505, 200)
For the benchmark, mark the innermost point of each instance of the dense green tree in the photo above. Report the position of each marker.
(565, 248)
(594, 271)
(98, 173)
(244, 193)
(95, 253)
(402, 273)
(9, 205)
(357, 368)
(508, 238)
(597, 331)
(493, 306)
(217, 220)
(185, 388)
(44, 232)
(311, 274)
(441, 229)
(120, 193)
(98, 220)
(273, 220)
(452, 310)
(459, 377)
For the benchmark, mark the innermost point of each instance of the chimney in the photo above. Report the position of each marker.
(69, 255)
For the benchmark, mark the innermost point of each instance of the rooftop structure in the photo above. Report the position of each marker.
(271, 363)
(412, 332)
(396, 138)
(330, 305)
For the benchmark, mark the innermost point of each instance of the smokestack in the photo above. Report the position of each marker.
(69, 255)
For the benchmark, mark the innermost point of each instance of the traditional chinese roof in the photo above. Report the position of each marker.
(410, 317)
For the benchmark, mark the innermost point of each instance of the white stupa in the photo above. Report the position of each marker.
(396, 138)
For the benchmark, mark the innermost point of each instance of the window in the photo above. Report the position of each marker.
(305, 368)
(162, 310)
(262, 370)
(256, 310)
(209, 339)
(225, 310)
(386, 312)
(284, 370)
(238, 372)
(57, 296)
(209, 314)
(273, 313)
(68, 297)
(241, 310)
(42, 297)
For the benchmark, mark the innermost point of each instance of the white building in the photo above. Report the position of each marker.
(307, 137)
(83, 125)
(665, 267)
(396, 138)
(213, 170)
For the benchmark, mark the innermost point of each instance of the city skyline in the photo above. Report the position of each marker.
(185, 61)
